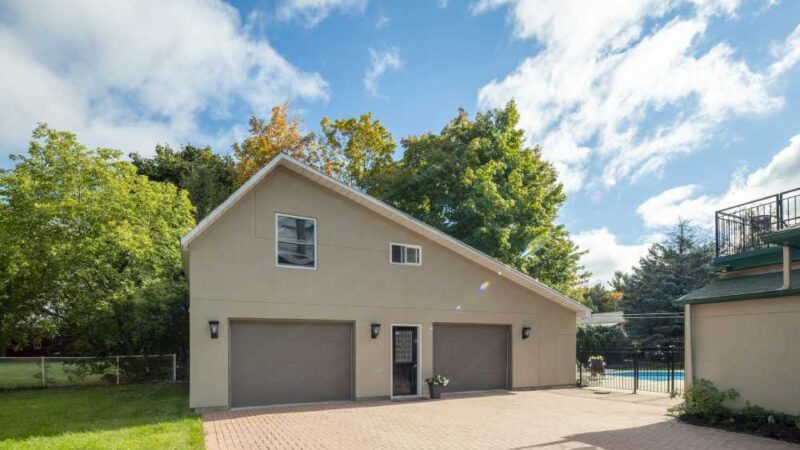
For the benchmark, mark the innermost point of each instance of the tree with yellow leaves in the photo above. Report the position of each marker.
(268, 139)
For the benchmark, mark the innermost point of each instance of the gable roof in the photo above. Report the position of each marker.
(390, 213)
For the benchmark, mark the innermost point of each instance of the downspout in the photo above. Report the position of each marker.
(787, 267)
(687, 348)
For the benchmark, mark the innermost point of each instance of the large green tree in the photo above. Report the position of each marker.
(476, 180)
(90, 250)
(208, 177)
(672, 268)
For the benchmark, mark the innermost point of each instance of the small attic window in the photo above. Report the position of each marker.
(295, 241)
(405, 254)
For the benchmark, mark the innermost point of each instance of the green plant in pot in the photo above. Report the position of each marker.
(435, 385)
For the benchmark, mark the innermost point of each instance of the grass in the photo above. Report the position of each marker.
(99, 417)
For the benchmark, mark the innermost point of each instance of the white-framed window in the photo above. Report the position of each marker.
(406, 254)
(295, 241)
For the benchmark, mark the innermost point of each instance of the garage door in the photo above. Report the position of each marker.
(274, 363)
(474, 357)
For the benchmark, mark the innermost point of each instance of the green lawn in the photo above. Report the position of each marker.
(99, 417)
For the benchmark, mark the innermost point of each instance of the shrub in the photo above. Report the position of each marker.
(704, 399)
(704, 404)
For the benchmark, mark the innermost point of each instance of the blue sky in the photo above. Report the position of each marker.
(650, 110)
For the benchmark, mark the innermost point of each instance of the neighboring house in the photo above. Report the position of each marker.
(742, 329)
(606, 319)
(303, 289)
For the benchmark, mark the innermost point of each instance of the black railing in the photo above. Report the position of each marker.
(741, 227)
(659, 369)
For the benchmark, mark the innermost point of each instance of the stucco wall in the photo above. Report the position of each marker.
(751, 346)
(233, 275)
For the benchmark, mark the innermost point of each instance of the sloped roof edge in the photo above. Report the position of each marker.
(390, 213)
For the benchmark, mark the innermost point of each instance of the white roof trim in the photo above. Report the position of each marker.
(390, 213)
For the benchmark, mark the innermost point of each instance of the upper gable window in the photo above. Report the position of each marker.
(406, 254)
(295, 241)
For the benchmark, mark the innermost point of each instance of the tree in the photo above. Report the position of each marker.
(357, 151)
(83, 239)
(478, 182)
(362, 147)
(601, 299)
(598, 337)
(671, 269)
(268, 139)
(209, 178)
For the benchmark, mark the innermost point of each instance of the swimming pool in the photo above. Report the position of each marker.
(651, 375)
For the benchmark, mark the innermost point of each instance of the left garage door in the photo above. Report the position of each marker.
(275, 363)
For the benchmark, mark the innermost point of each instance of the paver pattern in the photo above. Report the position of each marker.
(552, 419)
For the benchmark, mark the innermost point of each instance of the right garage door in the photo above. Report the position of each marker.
(474, 357)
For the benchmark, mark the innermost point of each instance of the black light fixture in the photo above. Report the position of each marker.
(213, 326)
(375, 330)
(526, 332)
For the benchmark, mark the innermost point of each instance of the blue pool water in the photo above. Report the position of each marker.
(654, 375)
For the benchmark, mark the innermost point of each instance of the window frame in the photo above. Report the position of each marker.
(277, 242)
(405, 246)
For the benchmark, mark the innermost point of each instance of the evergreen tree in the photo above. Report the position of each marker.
(672, 268)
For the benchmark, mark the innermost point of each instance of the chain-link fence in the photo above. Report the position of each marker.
(49, 371)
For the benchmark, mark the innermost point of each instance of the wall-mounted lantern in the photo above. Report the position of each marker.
(213, 326)
(526, 332)
(375, 330)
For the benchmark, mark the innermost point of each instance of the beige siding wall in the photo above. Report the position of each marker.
(751, 346)
(233, 275)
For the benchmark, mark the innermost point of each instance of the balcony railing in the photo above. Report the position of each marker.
(740, 227)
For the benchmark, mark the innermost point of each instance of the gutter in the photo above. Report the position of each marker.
(734, 297)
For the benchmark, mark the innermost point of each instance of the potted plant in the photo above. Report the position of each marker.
(597, 364)
(435, 385)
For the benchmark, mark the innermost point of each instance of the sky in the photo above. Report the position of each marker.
(651, 110)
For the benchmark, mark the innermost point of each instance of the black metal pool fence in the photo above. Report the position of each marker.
(659, 369)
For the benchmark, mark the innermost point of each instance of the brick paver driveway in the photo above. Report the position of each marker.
(555, 419)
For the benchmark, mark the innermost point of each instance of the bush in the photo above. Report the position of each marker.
(704, 399)
(704, 404)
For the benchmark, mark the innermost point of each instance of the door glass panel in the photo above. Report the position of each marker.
(403, 346)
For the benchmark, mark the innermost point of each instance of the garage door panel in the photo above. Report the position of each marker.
(474, 357)
(290, 362)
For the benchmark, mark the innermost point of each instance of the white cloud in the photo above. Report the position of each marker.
(382, 21)
(780, 174)
(606, 88)
(787, 54)
(312, 12)
(606, 255)
(380, 63)
(135, 73)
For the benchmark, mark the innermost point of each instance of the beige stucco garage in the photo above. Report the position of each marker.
(324, 293)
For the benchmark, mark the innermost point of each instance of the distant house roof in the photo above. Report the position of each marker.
(764, 285)
(390, 213)
(607, 319)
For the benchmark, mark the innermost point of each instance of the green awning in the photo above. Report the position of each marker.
(765, 285)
